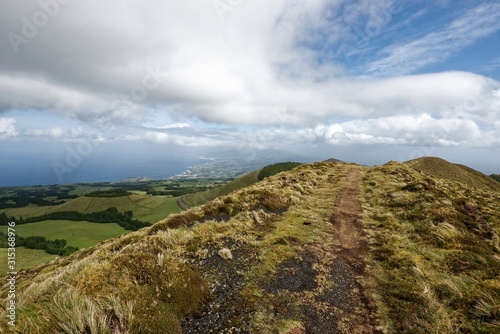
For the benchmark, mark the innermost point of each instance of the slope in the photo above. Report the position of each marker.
(324, 248)
(435, 249)
(441, 168)
(145, 207)
(203, 197)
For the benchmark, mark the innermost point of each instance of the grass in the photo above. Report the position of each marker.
(78, 234)
(435, 252)
(145, 207)
(159, 270)
(28, 211)
(25, 258)
(157, 211)
(432, 267)
(437, 167)
(209, 195)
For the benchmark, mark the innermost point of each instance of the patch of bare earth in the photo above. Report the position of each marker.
(322, 286)
(354, 311)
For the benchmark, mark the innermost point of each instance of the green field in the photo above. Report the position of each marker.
(28, 211)
(79, 234)
(145, 207)
(25, 258)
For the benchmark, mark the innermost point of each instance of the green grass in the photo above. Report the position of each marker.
(277, 168)
(206, 196)
(79, 234)
(28, 211)
(159, 211)
(145, 207)
(435, 249)
(437, 167)
(25, 258)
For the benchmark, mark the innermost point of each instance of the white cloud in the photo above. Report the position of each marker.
(8, 127)
(128, 62)
(477, 23)
(59, 133)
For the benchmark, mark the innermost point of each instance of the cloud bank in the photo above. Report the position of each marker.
(224, 72)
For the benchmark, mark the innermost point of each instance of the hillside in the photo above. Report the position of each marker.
(323, 248)
(440, 168)
(203, 197)
(145, 207)
(246, 180)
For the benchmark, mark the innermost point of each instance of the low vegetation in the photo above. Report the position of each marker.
(82, 234)
(110, 215)
(109, 193)
(25, 258)
(203, 197)
(495, 177)
(57, 247)
(435, 251)
(276, 168)
(262, 259)
(437, 167)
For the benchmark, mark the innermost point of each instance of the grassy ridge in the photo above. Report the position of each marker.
(244, 181)
(432, 265)
(437, 167)
(435, 252)
(206, 196)
(276, 168)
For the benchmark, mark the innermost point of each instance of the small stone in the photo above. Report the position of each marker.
(225, 254)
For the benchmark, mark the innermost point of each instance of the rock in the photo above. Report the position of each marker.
(225, 254)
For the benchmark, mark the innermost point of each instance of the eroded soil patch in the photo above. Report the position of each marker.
(226, 310)
(354, 310)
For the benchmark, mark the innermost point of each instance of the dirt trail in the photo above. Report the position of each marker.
(354, 311)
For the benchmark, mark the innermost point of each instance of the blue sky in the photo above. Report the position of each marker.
(320, 78)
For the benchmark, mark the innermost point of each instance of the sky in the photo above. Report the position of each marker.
(97, 83)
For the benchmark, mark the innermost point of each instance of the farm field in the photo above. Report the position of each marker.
(78, 234)
(28, 211)
(145, 207)
(25, 258)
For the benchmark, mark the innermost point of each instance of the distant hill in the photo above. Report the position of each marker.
(443, 169)
(333, 160)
